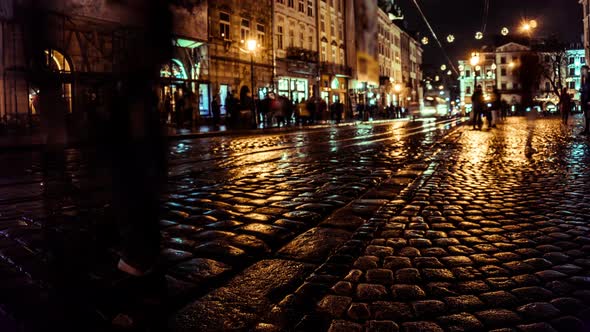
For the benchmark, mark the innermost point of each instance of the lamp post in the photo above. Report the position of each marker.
(398, 88)
(251, 45)
(494, 67)
(474, 61)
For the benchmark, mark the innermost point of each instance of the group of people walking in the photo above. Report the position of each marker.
(181, 108)
(274, 110)
(492, 109)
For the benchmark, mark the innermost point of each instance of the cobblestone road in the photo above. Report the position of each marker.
(232, 202)
(496, 238)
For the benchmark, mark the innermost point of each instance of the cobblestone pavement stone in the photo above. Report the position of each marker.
(495, 238)
(260, 211)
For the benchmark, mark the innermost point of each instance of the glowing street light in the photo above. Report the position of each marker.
(425, 41)
(450, 38)
(449, 73)
(474, 61)
(505, 31)
(251, 46)
(398, 88)
(443, 67)
(533, 24)
(478, 35)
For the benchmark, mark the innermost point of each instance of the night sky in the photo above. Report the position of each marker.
(463, 18)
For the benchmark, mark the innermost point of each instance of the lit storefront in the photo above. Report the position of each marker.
(295, 89)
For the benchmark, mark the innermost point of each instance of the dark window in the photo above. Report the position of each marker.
(224, 28)
(572, 71)
(503, 60)
(504, 86)
(503, 72)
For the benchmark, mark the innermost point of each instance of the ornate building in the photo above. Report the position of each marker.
(232, 24)
(296, 47)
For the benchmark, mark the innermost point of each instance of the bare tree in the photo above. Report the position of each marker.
(553, 66)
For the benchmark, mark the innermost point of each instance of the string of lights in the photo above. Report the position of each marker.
(435, 38)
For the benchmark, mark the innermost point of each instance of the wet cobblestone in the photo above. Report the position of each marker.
(494, 239)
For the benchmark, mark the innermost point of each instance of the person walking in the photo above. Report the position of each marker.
(585, 98)
(496, 107)
(167, 108)
(216, 110)
(179, 108)
(478, 107)
(565, 106)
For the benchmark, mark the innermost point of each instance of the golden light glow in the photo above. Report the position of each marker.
(251, 45)
(474, 61)
(397, 88)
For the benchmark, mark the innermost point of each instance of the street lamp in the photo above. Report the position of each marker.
(494, 67)
(474, 61)
(252, 45)
(398, 88)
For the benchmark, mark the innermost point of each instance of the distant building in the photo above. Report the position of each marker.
(576, 58)
(390, 62)
(586, 21)
(499, 68)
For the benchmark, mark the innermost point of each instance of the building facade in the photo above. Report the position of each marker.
(233, 26)
(586, 21)
(295, 47)
(334, 72)
(499, 68)
(575, 58)
(390, 63)
(84, 47)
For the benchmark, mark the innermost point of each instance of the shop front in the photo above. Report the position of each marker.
(296, 89)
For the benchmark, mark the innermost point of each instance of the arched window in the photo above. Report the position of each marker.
(177, 70)
(57, 61)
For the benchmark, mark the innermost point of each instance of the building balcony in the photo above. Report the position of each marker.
(301, 54)
(335, 69)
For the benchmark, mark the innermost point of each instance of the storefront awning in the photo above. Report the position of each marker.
(186, 43)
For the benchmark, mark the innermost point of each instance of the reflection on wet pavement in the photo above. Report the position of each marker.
(231, 201)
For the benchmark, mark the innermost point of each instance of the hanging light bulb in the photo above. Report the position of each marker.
(425, 41)
(450, 38)
(443, 67)
(533, 24)
(449, 73)
(505, 31)
(478, 35)
(461, 68)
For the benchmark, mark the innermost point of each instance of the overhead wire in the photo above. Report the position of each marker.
(486, 10)
(436, 37)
